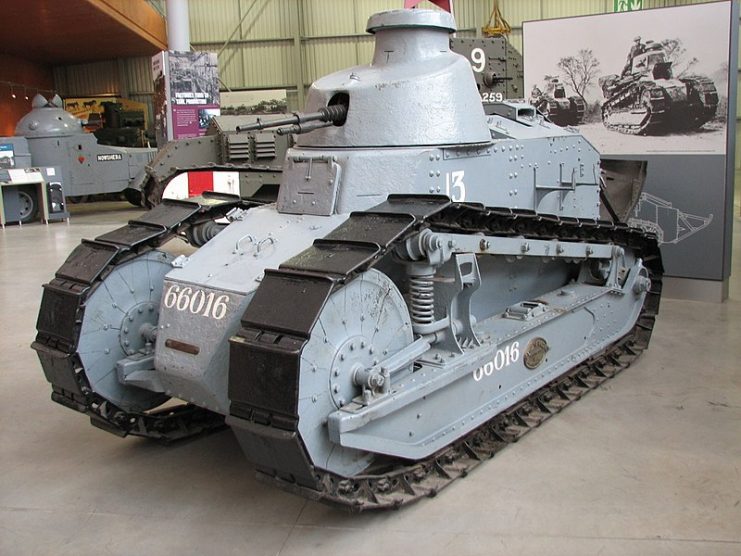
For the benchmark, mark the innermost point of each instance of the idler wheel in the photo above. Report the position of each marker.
(118, 319)
(361, 324)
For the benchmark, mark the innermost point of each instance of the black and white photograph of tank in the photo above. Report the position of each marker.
(650, 81)
(553, 101)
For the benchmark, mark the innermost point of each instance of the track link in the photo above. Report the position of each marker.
(626, 100)
(395, 483)
(705, 95)
(63, 310)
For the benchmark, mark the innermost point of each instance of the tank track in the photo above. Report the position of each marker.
(625, 100)
(63, 309)
(580, 108)
(399, 482)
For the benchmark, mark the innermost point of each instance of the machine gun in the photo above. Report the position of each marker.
(302, 123)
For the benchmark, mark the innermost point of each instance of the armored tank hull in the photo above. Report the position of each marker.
(430, 285)
(647, 107)
(496, 65)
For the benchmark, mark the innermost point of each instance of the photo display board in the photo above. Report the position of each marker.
(656, 85)
(186, 94)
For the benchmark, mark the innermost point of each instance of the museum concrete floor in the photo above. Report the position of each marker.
(648, 464)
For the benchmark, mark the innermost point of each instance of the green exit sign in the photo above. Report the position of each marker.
(627, 5)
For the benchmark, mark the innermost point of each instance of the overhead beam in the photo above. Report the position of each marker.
(138, 17)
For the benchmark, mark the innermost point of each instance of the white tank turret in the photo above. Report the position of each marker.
(415, 92)
(48, 119)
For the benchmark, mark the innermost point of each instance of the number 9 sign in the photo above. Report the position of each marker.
(478, 60)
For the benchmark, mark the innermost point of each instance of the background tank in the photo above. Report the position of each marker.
(257, 156)
(648, 99)
(496, 64)
(56, 138)
(431, 283)
(122, 128)
(559, 108)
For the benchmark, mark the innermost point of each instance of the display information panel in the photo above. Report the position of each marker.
(655, 86)
(186, 93)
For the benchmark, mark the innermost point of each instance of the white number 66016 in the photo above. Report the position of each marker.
(197, 302)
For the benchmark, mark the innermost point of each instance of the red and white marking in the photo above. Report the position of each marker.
(190, 184)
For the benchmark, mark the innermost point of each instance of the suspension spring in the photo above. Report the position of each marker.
(423, 299)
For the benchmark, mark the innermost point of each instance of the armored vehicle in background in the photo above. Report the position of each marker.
(432, 283)
(496, 64)
(648, 100)
(56, 138)
(256, 155)
(122, 128)
(559, 108)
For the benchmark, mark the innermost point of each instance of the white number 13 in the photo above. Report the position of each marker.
(454, 186)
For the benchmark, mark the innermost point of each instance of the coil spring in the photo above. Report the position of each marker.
(423, 299)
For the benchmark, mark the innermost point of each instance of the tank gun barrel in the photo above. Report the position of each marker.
(328, 114)
(298, 129)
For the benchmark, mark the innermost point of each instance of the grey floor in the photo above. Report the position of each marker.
(648, 464)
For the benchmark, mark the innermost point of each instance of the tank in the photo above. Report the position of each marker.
(257, 156)
(122, 128)
(496, 65)
(646, 99)
(57, 138)
(432, 283)
(561, 109)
